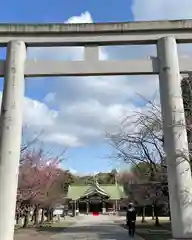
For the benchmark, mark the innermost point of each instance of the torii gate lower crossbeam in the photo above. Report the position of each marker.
(176, 145)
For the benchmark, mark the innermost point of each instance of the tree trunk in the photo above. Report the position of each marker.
(48, 215)
(42, 216)
(153, 214)
(169, 210)
(169, 216)
(17, 218)
(51, 214)
(33, 217)
(143, 214)
(26, 219)
(36, 215)
(156, 215)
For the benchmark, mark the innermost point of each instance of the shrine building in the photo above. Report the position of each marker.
(95, 197)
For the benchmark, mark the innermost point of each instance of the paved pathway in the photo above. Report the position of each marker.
(94, 228)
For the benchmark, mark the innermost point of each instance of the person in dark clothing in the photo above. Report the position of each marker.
(131, 218)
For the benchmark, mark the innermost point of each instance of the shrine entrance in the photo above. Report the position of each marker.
(96, 207)
(95, 204)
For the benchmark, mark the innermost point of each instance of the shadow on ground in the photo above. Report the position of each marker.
(97, 231)
(104, 228)
(151, 232)
(50, 229)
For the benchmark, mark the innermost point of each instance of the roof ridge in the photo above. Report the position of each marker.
(100, 184)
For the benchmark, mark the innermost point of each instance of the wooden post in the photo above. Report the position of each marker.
(75, 208)
(87, 207)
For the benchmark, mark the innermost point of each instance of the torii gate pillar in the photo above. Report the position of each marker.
(175, 136)
(10, 135)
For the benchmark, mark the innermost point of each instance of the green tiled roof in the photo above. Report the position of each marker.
(95, 189)
(114, 191)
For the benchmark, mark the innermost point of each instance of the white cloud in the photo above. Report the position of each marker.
(50, 97)
(87, 107)
(38, 115)
(161, 10)
(62, 139)
(83, 18)
(150, 10)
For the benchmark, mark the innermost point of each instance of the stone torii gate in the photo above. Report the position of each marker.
(165, 34)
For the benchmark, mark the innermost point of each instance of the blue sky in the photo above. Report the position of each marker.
(62, 106)
(60, 10)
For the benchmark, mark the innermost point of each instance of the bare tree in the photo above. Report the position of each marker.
(29, 143)
(140, 139)
(139, 143)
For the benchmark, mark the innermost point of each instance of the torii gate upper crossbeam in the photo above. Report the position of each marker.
(147, 32)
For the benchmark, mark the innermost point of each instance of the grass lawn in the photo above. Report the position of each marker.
(149, 231)
(54, 227)
(41, 232)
